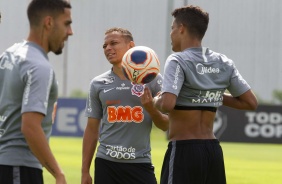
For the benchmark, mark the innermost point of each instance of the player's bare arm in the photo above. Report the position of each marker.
(160, 120)
(90, 139)
(246, 101)
(165, 102)
(31, 128)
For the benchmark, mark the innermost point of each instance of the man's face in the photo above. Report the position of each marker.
(60, 32)
(115, 46)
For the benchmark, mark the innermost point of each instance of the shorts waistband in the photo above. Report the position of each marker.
(194, 141)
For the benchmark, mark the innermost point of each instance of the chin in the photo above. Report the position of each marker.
(58, 52)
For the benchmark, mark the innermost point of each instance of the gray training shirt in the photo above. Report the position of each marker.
(27, 84)
(199, 77)
(125, 125)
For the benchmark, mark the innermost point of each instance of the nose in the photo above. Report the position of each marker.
(108, 47)
(70, 32)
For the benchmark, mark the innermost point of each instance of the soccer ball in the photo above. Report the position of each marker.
(140, 64)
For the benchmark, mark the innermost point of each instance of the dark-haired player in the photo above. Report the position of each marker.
(195, 79)
(120, 116)
(28, 91)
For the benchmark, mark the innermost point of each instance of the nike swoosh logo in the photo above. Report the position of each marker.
(107, 90)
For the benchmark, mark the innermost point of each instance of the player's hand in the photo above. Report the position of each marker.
(156, 98)
(147, 99)
(86, 179)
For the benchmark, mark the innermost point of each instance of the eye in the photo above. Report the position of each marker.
(114, 43)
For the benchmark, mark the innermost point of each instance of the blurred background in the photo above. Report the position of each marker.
(248, 32)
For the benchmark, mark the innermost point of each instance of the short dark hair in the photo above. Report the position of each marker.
(125, 33)
(194, 18)
(39, 8)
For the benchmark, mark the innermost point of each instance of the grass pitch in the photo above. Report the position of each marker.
(244, 163)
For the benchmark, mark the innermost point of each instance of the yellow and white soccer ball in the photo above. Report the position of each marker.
(140, 64)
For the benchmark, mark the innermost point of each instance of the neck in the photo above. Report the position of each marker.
(190, 44)
(37, 36)
(117, 69)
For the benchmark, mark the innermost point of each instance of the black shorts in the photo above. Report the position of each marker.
(193, 161)
(20, 175)
(123, 173)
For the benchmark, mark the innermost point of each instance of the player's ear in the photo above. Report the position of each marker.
(48, 22)
(131, 44)
(181, 28)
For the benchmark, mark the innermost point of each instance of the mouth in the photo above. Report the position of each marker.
(110, 55)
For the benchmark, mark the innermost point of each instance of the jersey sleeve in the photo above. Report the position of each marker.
(173, 76)
(37, 81)
(238, 85)
(93, 104)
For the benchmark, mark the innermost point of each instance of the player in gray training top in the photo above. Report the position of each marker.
(120, 114)
(28, 90)
(195, 79)
(126, 125)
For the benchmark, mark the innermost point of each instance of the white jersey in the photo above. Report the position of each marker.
(125, 124)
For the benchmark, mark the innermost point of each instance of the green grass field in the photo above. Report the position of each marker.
(244, 163)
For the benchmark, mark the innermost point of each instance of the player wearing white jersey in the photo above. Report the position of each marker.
(120, 116)
(195, 79)
(28, 90)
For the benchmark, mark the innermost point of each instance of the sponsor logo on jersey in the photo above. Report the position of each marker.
(120, 152)
(2, 131)
(89, 109)
(209, 97)
(123, 87)
(27, 88)
(112, 102)
(107, 90)
(125, 114)
(177, 70)
(137, 89)
(159, 82)
(5, 64)
(201, 69)
(109, 80)
(3, 118)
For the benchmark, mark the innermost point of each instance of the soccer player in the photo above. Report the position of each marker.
(195, 80)
(120, 116)
(27, 94)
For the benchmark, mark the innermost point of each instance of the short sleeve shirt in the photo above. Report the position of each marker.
(125, 125)
(28, 84)
(199, 77)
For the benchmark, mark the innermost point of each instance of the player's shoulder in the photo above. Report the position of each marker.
(104, 78)
(185, 55)
(28, 56)
(220, 57)
(174, 56)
